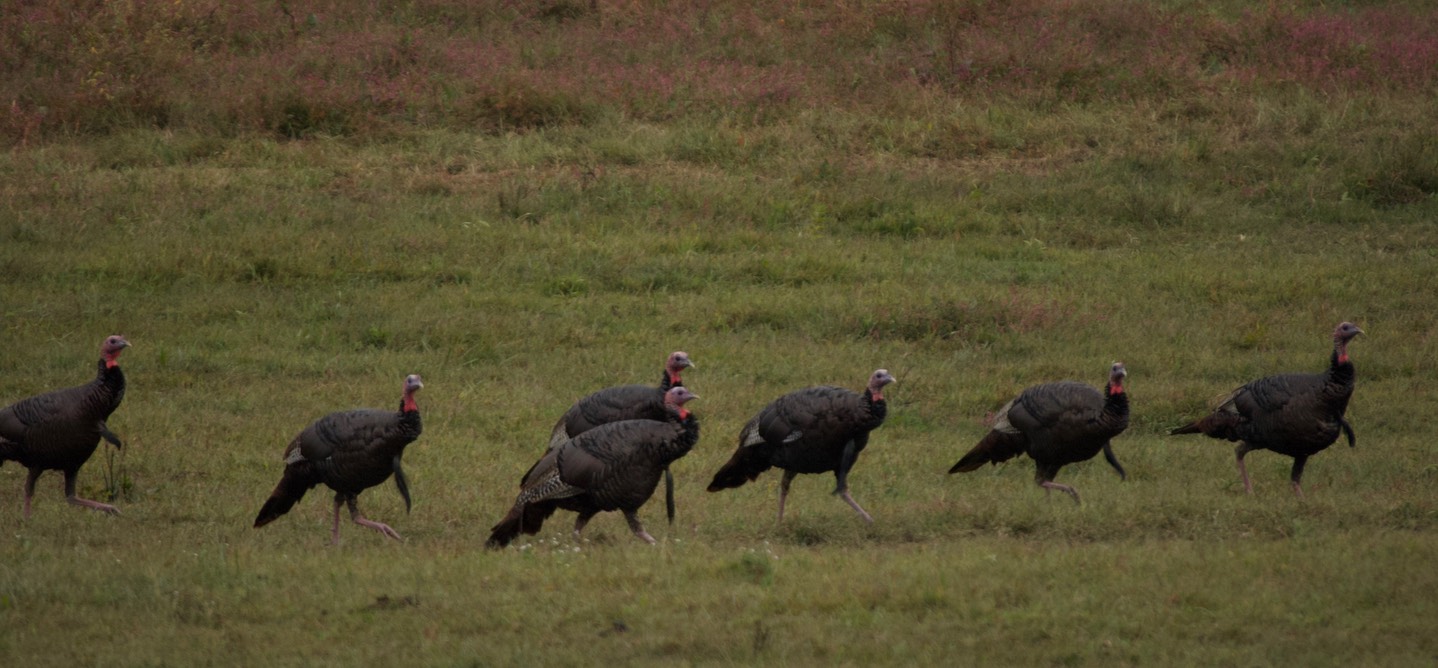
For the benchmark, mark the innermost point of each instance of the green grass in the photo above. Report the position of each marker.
(1204, 223)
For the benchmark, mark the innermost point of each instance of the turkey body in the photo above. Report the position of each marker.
(614, 466)
(612, 404)
(622, 402)
(59, 430)
(1296, 414)
(813, 430)
(617, 404)
(1055, 424)
(349, 452)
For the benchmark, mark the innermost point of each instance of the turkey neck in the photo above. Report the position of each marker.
(409, 422)
(878, 409)
(1340, 379)
(1340, 368)
(681, 446)
(670, 380)
(1115, 406)
(109, 387)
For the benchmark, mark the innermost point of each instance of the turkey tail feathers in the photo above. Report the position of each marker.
(293, 484)
(1217, 425)
(507, 530)
(522, 518)
(746, 465)
(996, 446)
(1190, 428)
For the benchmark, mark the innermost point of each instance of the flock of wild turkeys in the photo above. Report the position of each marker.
(609, 451)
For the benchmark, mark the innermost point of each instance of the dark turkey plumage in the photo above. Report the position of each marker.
(60, 430)
(349, 452)
(615, 404)
(1297, 414)
(614, 466)
(623, 402)
(813, 430)
(1056, 424)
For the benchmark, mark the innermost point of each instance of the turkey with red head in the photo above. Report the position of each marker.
(1056, 424)
(613, 466)
(1295, 414)
(59, 430)
(349, 452)
(619, 403)
(622, 402)
(813, 430)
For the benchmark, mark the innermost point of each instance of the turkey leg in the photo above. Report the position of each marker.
(638, 529)
(846, 462)
(1297, 475)
(73, 500)
(360, 520)
(30, 479)
(1240, 451)
(784, 492)
(580, 522)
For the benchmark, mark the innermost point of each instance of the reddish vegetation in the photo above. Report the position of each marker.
(300, 67)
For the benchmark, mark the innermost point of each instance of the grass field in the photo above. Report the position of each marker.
(525, 202)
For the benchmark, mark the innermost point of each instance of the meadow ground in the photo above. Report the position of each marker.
(527, 203)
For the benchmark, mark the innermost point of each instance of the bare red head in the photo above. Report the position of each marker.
(110, 349)
(1116, 374)
(678, 361)
(877, 382)
(678, 396)
(412, 384)
(1341, 336)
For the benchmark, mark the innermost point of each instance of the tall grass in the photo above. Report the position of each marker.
(301, 69)
(528, 201)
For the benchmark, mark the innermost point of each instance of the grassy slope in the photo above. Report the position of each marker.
(1203, 235)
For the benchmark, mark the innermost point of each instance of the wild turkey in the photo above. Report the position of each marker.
(60, 430)
(614, 466)
(1056, 424)
(813, 430)
(349, 451)
(623, 402)
(1297, 414)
